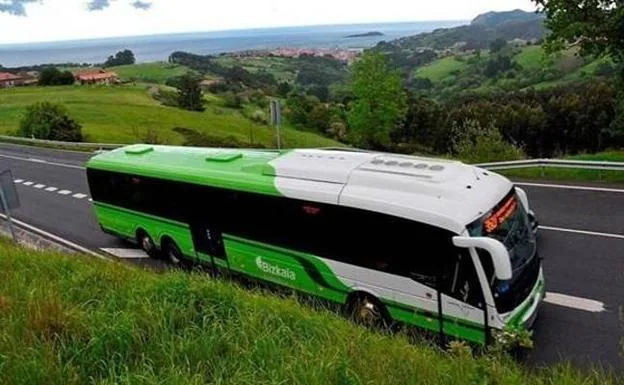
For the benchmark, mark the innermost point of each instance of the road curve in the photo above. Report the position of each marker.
(55, 198)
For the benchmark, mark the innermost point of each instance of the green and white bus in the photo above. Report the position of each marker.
(436, 244)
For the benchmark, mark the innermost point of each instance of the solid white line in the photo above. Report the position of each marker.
(577, 303)
(51, 189)
(64, 192)
(32, 160)
(583, 232)
(568, 187)
(29, 183)
(39, 186)
(79, 196)
(127, 253)
(18, 181)
(55, 238)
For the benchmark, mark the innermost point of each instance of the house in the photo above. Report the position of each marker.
(96, 77)
(8, 80)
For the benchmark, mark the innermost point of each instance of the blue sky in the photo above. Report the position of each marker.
(51, 20)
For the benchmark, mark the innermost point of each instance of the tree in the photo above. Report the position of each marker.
(498, 45)
(53, 77)
(190, 94)
(125, 57)
(474, 143)
(595, 26)
(380, 101)
(50, 121)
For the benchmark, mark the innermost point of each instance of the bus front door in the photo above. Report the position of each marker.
(208, 242)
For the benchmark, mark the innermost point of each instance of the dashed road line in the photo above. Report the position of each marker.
(51, 189)
(65, 192)
(29, 183)
(39, 186)
(577, 303)
(18, 181)
(79, 196)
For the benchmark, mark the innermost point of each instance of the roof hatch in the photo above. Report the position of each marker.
(224, 156)
(139, 149)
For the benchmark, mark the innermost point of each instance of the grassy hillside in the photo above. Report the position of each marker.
(72, 321)
(123, 114)
(157, 72)
(284, 69)
(440, 69)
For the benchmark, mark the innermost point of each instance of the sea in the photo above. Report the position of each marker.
(159, 47)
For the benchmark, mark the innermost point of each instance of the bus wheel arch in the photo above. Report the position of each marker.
(146, 242)
(367, 309)
(170, 249)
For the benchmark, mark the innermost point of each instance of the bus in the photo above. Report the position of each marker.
(436, 244)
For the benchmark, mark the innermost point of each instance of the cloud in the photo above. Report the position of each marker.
(144, 5)
(98, 5)
(15, 7)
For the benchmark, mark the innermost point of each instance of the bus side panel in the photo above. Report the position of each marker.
(298, 271)
(125, 223)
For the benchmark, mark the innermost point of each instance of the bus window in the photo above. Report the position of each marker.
(460, 280)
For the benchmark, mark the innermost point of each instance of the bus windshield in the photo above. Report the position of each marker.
(508, 223)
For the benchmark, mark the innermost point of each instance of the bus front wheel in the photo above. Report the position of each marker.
(367, 310)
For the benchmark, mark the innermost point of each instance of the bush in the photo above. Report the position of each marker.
(49, 121)
(232, 100)
(260, 117)
(54, 77)
(473, 143)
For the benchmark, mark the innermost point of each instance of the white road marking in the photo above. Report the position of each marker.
(127, 253)
(58, 239)
(569, 187)
(33, 160)
(583, 232)
(29, 183)
(79, 196)
(577, 303)
(18, 181)
(64, 192)
(39, 186)
(51, 189)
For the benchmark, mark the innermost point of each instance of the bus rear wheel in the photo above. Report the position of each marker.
(147, 243)
(172, 252)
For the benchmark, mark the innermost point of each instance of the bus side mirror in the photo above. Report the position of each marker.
(498, 253)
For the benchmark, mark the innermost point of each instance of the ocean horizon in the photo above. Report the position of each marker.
(151, 48)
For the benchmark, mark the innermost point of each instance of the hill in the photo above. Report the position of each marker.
(496, 19)
(127, 114)
(68, 320)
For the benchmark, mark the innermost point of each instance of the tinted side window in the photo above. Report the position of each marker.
(460, 280)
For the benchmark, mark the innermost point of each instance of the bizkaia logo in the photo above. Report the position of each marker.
(275, 270)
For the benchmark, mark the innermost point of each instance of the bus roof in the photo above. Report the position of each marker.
(444, 193)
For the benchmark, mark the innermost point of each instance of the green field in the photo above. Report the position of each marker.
(440, 69)
(575, 174)
(531, 57)
(68, 320)
(157, 72)
(282, 68)
(122, 114)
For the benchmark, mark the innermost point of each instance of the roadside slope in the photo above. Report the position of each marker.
(72, 321)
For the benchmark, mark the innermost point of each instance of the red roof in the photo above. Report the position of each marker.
(95, 75)
(5, 76)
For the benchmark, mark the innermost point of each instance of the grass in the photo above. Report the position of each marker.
(123, 114)
(67, 320)
(575, 174)
(531, 57)
(157, 72)
(282, 68)
(440, 69)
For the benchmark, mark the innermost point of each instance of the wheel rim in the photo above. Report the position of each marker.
(368, 313)
(174, 255)
(147, 244)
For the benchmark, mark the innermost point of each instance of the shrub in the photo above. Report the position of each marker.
(232, 100)
(474, 143)
(49, 121)
(53, 77)
(260, 117)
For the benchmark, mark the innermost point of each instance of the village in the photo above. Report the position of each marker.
(82, 77)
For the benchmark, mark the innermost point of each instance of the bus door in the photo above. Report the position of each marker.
(208, 242)
(461, 302)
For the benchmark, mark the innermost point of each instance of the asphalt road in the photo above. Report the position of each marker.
(577, 264)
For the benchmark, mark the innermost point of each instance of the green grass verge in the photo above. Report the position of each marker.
(575, 174)
(121, 114)
(65, 320)
(156, 72)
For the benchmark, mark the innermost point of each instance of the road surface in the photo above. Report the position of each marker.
(581, 241)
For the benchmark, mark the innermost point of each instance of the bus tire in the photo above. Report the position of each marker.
(367, 310)
(146, 243)
(172, 252)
